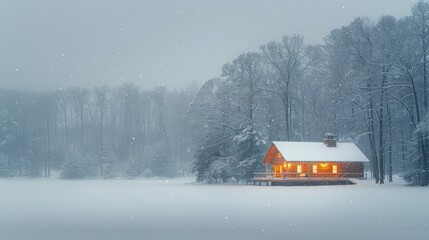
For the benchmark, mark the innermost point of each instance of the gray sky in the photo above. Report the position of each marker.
(49, 44)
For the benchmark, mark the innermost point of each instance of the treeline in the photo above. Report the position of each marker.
(367, 83)
(102, 132)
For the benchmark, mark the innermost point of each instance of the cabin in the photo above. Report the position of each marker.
(311, 163)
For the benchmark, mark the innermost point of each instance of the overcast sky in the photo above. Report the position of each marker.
(48, 44)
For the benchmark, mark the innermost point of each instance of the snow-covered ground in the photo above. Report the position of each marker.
(180, 209)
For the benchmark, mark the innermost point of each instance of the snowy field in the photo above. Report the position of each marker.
(180, 209)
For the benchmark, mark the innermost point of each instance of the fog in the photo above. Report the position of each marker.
(152, 119)
(57, 44)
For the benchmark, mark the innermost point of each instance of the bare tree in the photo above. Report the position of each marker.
(289, 59)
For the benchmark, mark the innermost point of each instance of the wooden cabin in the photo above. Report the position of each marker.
(326, 162)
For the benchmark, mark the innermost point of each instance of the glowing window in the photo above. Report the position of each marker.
(334, 169)
(279, 155)
(299, 169)
(314, 168)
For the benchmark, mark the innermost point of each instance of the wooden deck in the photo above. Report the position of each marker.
(293, 179)
(301, 182)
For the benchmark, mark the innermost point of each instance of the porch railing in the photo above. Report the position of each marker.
(303, 176)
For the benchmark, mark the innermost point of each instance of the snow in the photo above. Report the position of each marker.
(179, 209)
(319, 152)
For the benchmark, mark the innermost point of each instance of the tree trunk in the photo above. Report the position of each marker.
(286, 109)
(49, 146)
(289, 122)
(372, 144)
(424, 51)
(66, 127)
(381, 129)
(45, 144)
(101, 140)
(81, 129)
(403, 151)
(390, 143)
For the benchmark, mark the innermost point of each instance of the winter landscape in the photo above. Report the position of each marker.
(181, 209)
(227, 119)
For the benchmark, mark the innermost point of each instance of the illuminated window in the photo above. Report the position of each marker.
(334, 169)
(279, 155)
(314, 168)
(299, 169)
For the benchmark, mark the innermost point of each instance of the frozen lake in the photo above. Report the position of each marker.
(179, 209)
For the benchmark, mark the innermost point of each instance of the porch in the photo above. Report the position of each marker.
(288, 178)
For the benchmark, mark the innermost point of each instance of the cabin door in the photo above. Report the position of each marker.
(278, 171)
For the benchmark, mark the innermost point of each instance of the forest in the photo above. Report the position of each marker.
(367, 83)
(102, 132)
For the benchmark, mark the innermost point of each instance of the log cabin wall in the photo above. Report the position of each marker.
(355, 170)
(319, 169)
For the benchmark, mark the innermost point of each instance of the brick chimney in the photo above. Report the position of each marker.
(329, 140)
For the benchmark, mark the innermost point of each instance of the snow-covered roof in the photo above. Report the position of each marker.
(319, 152)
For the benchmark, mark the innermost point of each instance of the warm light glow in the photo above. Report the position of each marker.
(289, 165)
(279, 155)
(324, 165)
(299, 169)
(314, 168)
(334, 169)
(284, 164)
(278, 168)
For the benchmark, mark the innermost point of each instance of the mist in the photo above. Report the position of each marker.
(201, 119)
(52, 45)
